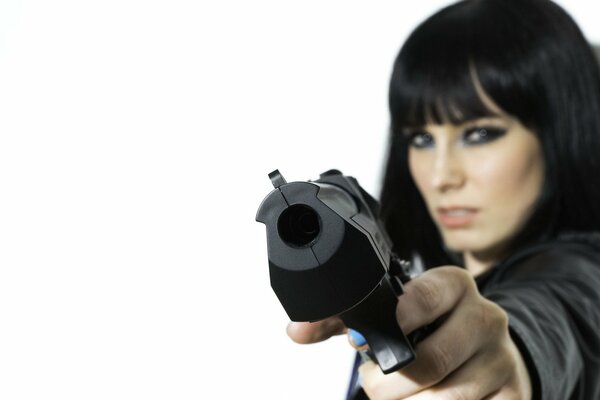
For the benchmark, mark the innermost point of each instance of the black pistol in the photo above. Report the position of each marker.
(329, 255)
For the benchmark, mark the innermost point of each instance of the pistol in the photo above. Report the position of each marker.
(329, 255)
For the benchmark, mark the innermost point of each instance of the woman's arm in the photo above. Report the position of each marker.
(553, 303)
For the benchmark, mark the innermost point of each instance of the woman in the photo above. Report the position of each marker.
(491, 174)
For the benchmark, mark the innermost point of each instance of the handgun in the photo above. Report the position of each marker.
(329, 255)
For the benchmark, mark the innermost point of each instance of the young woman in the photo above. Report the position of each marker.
(491, 183)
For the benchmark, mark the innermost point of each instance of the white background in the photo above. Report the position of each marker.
(135, 142)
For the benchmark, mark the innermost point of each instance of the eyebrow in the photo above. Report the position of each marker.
(409, 130)
(489, 118)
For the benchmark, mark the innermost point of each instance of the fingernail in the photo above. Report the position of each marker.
(356, 338)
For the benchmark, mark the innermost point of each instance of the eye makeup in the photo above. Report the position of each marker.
(482, 134)
(420, 138)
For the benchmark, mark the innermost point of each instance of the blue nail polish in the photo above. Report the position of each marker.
(358, 339)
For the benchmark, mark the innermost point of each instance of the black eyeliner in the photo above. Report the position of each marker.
(418, 133)
(491, 134)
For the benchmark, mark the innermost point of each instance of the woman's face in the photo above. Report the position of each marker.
(480, 180)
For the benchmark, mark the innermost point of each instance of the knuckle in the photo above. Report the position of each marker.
(369, 388)
(510, 358)
(465, 278)
(457, 272)
(378, 393)
(427, 295)
(499, 318)
(508, 394)
(439, 365)
(403, 316)
(491, 318)
(455, 393)
(375, 390)
(374, 383)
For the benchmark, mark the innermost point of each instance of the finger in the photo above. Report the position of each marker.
(360, 344)
(431, 295)
(482, 376)
(451, 345)
(357, 340)
(378, 386)
(437, 356)
(312, 332)
(506, 393)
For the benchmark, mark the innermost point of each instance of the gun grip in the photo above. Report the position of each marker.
(375, 319)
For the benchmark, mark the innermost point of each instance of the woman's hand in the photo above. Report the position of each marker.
(469, 356)
(312, 332)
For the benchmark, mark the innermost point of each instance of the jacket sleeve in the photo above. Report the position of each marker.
(553, 303)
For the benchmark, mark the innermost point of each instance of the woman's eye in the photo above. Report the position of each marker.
(482, 135)
(421, 139)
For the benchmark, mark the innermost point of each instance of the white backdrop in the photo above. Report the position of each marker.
(135, 141)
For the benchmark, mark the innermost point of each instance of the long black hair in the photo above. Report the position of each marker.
(533, 61)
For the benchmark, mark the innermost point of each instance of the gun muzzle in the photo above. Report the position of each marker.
(298, 225)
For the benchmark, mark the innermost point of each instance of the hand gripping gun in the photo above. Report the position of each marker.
(329, 255)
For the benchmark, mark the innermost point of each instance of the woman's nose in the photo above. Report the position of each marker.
(447, 172)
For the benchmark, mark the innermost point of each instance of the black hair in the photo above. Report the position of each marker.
(533, 61)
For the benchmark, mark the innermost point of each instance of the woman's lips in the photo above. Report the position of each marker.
(456, 217)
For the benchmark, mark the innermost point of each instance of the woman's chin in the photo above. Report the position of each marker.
(465, 241)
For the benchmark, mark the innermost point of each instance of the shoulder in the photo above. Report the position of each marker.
(571, 256)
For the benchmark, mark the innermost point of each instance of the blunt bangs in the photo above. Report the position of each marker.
(435, 87)
(435, 75)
